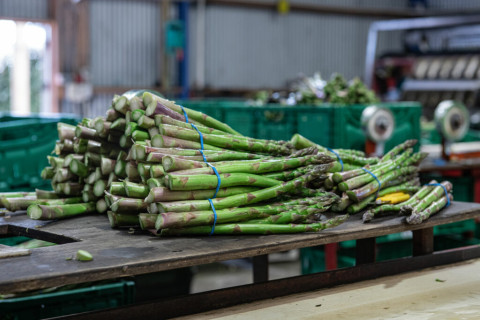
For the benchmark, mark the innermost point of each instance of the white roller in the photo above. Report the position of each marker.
(452, 120)
(377, 123)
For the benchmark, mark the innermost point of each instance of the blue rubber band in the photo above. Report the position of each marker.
(444, 189)
(219, 180)
(185, 114)
(338, 156)
(201, 137)
(379, 183)
(214, 216)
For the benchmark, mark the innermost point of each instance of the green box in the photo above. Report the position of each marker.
(66, 302)
(25, 143)
(328, 125)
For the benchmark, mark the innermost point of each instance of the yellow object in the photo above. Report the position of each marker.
(283, 6)
(393, 198)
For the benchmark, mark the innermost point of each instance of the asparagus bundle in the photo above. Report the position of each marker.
(166, 171)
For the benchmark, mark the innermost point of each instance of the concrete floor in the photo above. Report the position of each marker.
(239, 272)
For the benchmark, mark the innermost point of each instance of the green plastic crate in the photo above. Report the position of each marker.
(25, 143)
(67, 302)
(328, 125)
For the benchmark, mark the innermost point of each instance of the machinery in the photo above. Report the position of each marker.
(378, 125)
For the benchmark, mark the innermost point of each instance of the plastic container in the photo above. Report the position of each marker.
(67, 302)
(328, 125)
(25, 143)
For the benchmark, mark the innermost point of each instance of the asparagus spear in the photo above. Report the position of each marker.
(261, 167)
(162, 141)
(65, 131)
(135, 190)
(399, 149)
(17, 204)
(224, 141)
(147, 221)
(160, 194)
(50, 212)
(128, 205)
(117, 188)
(164, 119)
(44, 194)
(240, 228)
(122, 220)
(47, 173)
(78, 168)
(202, 182)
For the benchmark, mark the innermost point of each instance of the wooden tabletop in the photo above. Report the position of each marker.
(431, 164)
(117, 253)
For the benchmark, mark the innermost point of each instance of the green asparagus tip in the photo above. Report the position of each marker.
(83, 255)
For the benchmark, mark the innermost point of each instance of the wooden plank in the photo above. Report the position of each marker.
(117, 253)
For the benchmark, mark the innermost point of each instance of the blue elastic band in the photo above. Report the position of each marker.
(379, 183)
(444, 189)
(185, 114)
(201, 137)
(338, 156)
(219, 180)
(214, 216)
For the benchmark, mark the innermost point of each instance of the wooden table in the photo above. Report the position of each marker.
(118, 253)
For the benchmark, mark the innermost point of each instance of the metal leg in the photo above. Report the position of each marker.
(260, 268)
(422, 241)
(365, 251)
(331, 256)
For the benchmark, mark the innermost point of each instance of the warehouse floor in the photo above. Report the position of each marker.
(239, 272)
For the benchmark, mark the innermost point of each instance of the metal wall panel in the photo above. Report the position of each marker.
(454, 4)
(248, 48)
(26, 9)
(125, 43)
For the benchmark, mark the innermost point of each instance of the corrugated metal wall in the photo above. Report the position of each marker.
(252, 48)
(125, 39)
(27, 9)
(125, 42)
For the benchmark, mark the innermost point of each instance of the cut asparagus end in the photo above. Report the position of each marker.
(121, 105)
(112, 219)
(83, 255)
(34, 212)
(101, 206)
(153, 208)
(99, 188)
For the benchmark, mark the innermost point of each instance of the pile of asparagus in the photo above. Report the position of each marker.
(167, 181)
(153, 164)
(79, 173)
